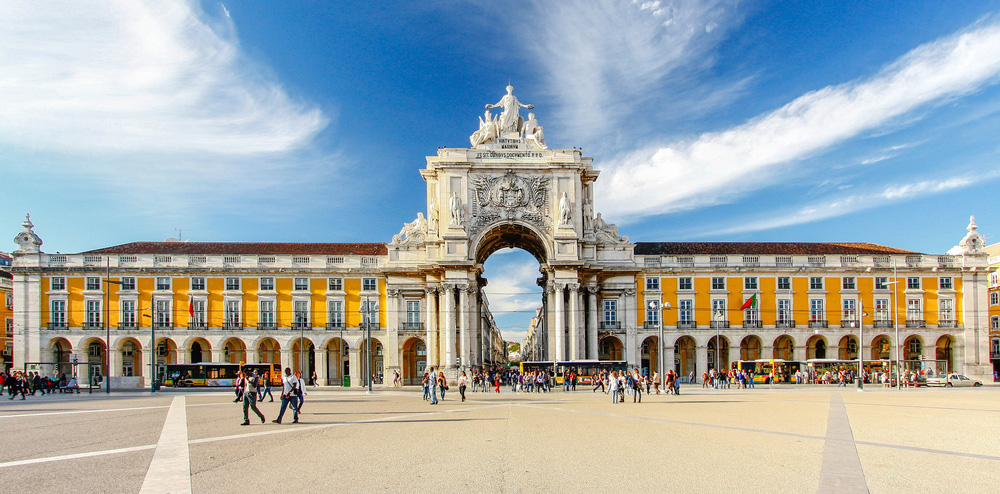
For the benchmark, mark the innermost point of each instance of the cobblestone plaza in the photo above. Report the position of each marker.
(793, 439)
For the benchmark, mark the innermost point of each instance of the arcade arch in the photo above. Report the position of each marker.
(234, 351)
(750, 348)
(338, 362)
(649, 356)
(377, 361)
(199, 350)
(414, 360)
(722, 358)
(816, 347)
(684, 356)
(848, 348)
(304, 364)
(945, 351)
(784, 347)
(130, 351)
(881, 348)
(611, 348)
(269, 351)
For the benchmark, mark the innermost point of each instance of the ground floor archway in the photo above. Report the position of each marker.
(944, 351)
(338, 362)
(750, 348)
(649, 356)
(305, 363)
(784, 347)
(816, 347)
(718, 352)
(414, 360)
(611, 348)
(848, 349)
(684, 356)
(881, 348)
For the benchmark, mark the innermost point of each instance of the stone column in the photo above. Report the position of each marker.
(391, 351)
(287, 358)
(632, 342)
(560, 321)
(448, 352)
(321, 367)
(465, 328)
(701, 360)
(115, 362)
(83, 372)
(734, 353)
(355, 362)
(550, 326)
(593, 317)
(430, 299)
(574, 323)
(668, 358)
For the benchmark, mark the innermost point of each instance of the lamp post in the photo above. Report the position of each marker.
(654, 305)
(107, 326)
(895, 321)
(718, 345)
(152, 353)
(861, 345)
(368, 343)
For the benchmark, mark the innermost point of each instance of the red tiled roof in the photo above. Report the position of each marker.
(248, 248)
(756, 248)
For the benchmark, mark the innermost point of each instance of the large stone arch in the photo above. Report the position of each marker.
(510, 233)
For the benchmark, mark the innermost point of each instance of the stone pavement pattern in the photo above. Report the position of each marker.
(805, 439)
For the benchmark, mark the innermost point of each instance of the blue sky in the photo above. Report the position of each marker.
(281, 121)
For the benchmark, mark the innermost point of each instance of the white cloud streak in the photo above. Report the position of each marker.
(719, 167)
(605, 59)
(126, 76)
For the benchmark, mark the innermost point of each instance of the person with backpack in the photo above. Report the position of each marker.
(250, 384)
(289, 395)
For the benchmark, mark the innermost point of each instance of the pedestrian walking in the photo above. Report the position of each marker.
(613, 387)
(300, 392)
(250, 385)
(432, 382)
(315, 379)
(267, 387)
(463, 381)
(442, 383)
(289, 396)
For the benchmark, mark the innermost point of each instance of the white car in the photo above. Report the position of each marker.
(953, 380)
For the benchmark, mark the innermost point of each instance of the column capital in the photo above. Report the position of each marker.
(573, 287)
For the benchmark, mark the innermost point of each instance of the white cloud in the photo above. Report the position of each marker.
(125, 76)
(721, 166)
(605, 59)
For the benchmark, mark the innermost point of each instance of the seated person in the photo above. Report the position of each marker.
(71, 385)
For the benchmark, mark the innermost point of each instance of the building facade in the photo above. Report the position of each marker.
(6, 311)
(421, 294)
(993, 258)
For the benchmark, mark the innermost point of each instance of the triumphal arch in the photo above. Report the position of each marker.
(509, 190)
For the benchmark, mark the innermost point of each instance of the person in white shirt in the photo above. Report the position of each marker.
(289, 395)
(613, 387)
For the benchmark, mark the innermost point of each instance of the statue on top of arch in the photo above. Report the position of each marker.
(509, 121)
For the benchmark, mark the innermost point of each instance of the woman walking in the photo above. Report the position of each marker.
(443, 382)
(463, 381)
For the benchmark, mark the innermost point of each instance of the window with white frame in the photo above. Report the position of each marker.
(610, 312)
(882, 310)
(994, 279)
(945, 283)
(784, 311)
(162, 283)
(335, 313)
(302, 284)
(335, 284)
(913, 312)
(300, 316)
(413, 313)
(369, 284)
(815, 283)
(652, 284)
(198, 283)
(93, 315)
(719, 309)
(784, 283)
(652, 317)
(128, 313)
(995, 298)
(850, 311)
(946, 310)
(9, 328)
(994, 343)
(849, 283)
(750, 283)
(267, 283)
(9, 300)
(266, 319)
(93, 283)
(233, 312)
(162, 315)
(751, 317)
(232, 283)
(685, 283)
(58, 283)
(881, 283)
(198, 313)
(686, 311)
(57, 315)
(128, 283)
(718, 283)
(995, 322)
(816, 312)
(369, 312)
(913, 283)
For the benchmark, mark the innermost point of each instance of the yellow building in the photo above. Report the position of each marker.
(993, 253)
(6, 311)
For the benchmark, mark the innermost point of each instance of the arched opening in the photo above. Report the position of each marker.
(304, 364)
(944, 354)
(377, 363)
(166, 354)
(816, 347)
(881, 348)
(414, 360)
(61, 351)
(750, 348)
(720, 357)
(338, 364)
(234, 351)
(611, 349)
(650, 356)
(269, 352)
(131, 357)
(684, 356)
(784, 347)
(96, 359)
(912, 348)
(848, 348)
(200, 351)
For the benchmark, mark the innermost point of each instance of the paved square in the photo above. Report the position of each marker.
(794, 439)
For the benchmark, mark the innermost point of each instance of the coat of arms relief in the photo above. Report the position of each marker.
(510, 196)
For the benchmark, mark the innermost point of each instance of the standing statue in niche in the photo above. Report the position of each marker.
(510, 119)
(455, 205)
(588, 216)
(564, 211)
(432, 216)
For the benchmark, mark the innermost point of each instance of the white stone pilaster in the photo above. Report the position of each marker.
(560, 322)
(574, 323)
(593, 315)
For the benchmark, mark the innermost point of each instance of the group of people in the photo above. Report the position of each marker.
(251, 388)
(742, 378)
(25, 383)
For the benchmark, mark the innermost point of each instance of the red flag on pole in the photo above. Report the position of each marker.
(191, 308)
(751, 302)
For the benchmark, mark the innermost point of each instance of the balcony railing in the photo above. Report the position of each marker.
(162, 325)
(686, 325)
(127, 325)
(947, 323)
(56, 325)
(752, 324)
(334, 325)
(719, 325)
(93, 325)
(417, 326)
(232, 325)
(266, 325)
(197, 325)
(848, 324)
(818, 323)
(372, 325)
(651, 324)
(785, 324)
(610, 325)
(916, 323)
(301, 325)
(883, 324)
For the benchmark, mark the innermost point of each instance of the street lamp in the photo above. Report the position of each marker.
(895, 322)
(719, 317)
(654, 305)
(368, 343)
(107, 327)
(861, 345)
(152, 352)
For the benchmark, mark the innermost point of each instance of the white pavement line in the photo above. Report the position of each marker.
(339, 424)
(170, 470)
(841, 469)
(43, 414)
(76, 456)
